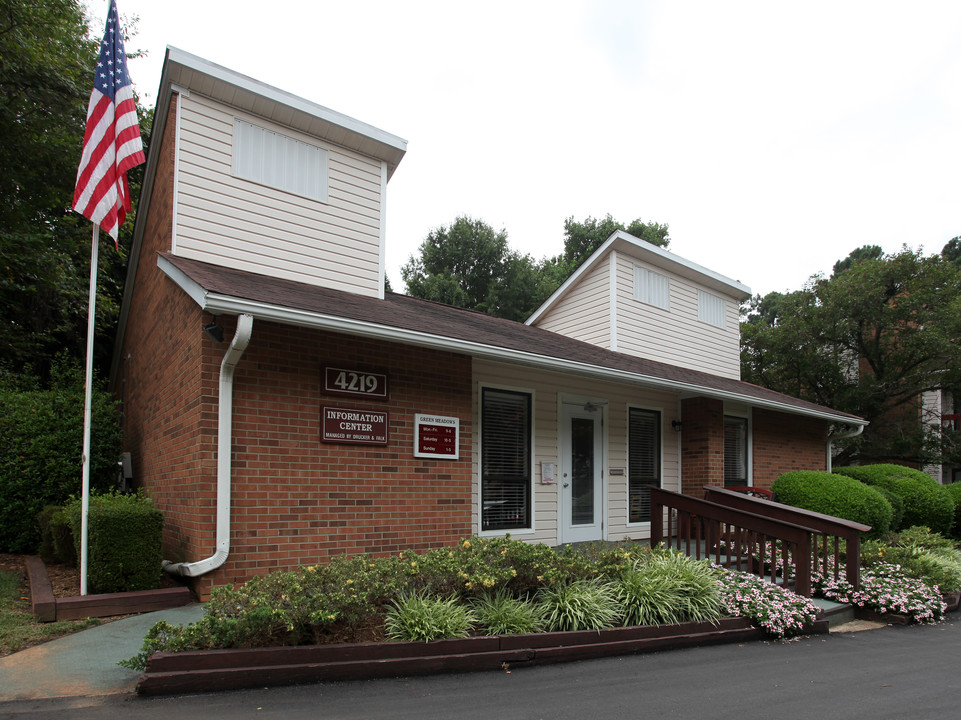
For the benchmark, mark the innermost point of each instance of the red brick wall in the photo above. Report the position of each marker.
(785, 442)
(168, 402)
(702, 444)
(297, 500)
(781, 443)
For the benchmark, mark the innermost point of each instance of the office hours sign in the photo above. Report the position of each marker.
(436, 436)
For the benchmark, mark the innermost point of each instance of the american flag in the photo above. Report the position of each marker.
(111, 143)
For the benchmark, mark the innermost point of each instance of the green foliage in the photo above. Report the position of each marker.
(668, 587)
(422, 617)
(836, 495)
(123, 541)
(500, 613)
(921, 554)
(868, 340)
(925, 501)
(954, 490)
(580, 605)
(41, 444)
(47, 63)
(56, 536)
(897, 506)
(469, 264)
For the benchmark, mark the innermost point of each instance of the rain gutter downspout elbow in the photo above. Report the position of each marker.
(841, 436)
(224, 440)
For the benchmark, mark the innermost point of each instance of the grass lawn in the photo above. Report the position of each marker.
(18, 628)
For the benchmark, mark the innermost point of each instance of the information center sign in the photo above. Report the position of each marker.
(436, 436)
(361, 427)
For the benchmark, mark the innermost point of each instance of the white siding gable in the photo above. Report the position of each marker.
(586, 312)
(290, 205)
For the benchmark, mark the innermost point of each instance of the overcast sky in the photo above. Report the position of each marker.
(773, 138)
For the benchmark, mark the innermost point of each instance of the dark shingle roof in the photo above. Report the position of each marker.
(474, 329)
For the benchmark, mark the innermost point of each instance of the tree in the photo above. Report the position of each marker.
(952, 251)
(469, 264)
(869, 340)
(865, 252)
(47, 60)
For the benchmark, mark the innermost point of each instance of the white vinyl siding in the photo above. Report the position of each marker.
(676, 337)
(585, 312)
(652, 288)
(229, 221)
(279, 161)
(547, 388)
(710, 309)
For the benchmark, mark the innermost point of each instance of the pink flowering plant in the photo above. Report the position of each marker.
(778, 611)
(886, 588)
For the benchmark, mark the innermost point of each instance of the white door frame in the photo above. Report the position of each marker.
(569, 409)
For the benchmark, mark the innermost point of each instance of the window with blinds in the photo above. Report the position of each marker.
(644, 461)
(279, 161)
(735, 451)
(652, 288)
(505, 459)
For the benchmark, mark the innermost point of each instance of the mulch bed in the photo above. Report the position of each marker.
(64, 580)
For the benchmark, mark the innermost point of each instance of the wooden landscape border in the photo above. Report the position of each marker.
(205, 670)
(48, 608)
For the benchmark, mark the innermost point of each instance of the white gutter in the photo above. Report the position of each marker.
(238, 344)
(841, 436)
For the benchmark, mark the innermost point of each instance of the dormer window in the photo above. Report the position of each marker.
(278, 161)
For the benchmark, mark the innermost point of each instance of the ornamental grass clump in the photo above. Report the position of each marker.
(502, 614)
(580, 605)
(666, 588)
(886, 588)
(421, 617)
(778, 611)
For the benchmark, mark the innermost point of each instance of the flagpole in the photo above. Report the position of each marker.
(87, 402)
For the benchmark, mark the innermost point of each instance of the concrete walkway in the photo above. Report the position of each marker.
(85, 663)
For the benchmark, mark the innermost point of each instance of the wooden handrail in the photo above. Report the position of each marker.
(742, 531)
(825, 526)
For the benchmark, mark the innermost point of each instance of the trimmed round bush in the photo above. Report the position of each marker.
(925, 501)
(954, 490)
(835, 495)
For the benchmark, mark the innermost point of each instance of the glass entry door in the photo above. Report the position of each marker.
(582, 464)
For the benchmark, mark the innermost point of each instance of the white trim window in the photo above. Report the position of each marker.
(643, 460)
(711, 309)
(505, 459)
(278, 161)
(652, 288)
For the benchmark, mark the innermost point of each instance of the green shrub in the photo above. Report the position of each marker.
(41, 443)
(502, 614)
(123, 542)
(669, 587)
(419, 616)
(954, 490)
(920, 554)
(897, 506)
(925, 501)
(836, 495)
(580, 605)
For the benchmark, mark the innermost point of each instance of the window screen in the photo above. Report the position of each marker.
(644, 462)
(505, 460)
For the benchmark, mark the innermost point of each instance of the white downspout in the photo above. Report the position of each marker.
(841, 436)
(238, 344)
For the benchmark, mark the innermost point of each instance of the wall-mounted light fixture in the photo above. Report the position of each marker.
(676, 424)
(215, 331)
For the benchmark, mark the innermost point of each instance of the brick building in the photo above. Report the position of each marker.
(281, 407)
